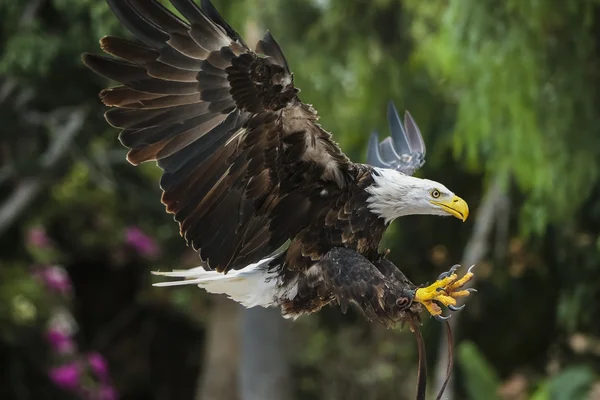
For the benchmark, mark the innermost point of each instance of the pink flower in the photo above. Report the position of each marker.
(55, 278)
(37, 237)
(142, 243)
(66, 376)
(60, 341)
(98, 365)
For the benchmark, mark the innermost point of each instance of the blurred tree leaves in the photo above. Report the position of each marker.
(530, 111)
(481, 381)
(572, 384)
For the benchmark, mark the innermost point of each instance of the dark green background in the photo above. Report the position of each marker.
(505, 93)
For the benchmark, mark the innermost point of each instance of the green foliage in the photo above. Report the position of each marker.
(33, 46)
(26, 54)
(572, 384)
(21, 302)
(481, 381)
(530, 111)
(349, 61)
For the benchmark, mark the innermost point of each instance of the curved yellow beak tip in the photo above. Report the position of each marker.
(455, 206)
(465, 209)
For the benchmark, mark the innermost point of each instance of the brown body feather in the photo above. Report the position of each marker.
(246, 166)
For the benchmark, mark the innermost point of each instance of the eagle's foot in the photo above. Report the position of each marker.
(444, 292)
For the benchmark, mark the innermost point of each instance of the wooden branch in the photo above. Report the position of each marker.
(28, 189)
(476, 249)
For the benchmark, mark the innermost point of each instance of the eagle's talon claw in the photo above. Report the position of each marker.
(441, 318)
(450, 272)
(444, 292)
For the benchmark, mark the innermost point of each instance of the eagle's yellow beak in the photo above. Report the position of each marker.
(455, 206)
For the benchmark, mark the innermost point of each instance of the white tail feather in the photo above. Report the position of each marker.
(251, 286)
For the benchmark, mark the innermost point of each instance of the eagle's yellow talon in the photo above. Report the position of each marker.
(444, 292)
(433, 308)
(468, 276)
(446, 300)
(460, 293)
(441, 283)
(426, 295)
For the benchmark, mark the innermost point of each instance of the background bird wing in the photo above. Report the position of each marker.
(241, 155)
(404, 151)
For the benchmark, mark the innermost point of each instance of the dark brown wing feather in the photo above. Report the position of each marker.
(243, 158)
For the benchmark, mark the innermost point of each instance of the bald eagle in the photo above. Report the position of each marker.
(279, 215)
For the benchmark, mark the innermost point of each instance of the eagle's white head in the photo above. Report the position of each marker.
(394, 194)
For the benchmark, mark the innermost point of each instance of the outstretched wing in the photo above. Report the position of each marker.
(404, 151)
(242, 157)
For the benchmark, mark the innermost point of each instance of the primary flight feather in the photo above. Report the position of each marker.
(278, 214)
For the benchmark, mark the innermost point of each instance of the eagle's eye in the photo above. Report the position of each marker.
(435, 193)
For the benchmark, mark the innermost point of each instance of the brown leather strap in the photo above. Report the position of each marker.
(422, 374)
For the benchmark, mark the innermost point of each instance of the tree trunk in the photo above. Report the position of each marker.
(219, 378)
(264, 371)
